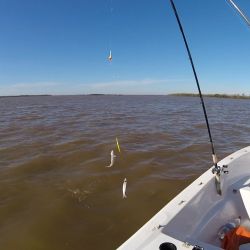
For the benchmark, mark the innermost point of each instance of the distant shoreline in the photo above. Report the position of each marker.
(235, 96)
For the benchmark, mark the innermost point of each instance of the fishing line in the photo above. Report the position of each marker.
(198, 86)
(111, 9)
(231, 2)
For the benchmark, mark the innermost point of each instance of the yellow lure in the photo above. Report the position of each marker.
(117, 143)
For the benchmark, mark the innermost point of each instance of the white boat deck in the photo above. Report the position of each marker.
(194, 216)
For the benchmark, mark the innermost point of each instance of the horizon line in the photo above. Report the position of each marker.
(119, 94)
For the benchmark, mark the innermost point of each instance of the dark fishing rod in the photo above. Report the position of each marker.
(217, 169)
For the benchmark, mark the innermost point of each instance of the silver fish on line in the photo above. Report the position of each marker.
(112, 160)
(110, 56)
(124, 186)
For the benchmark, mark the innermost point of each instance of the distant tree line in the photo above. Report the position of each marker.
(234, 96)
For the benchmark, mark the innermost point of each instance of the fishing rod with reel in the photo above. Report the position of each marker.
(217, 170)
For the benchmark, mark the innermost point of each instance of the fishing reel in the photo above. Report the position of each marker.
(218, 169)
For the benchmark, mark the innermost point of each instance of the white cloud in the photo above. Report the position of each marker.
(27, 88)
(34, 85)
(132, 82)
(142, 86)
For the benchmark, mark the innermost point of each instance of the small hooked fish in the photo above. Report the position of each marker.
(112, 160)
(124, 186)
(110, 56)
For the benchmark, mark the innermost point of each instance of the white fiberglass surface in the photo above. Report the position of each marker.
(202, 216)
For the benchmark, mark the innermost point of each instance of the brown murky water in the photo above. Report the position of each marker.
(55, 192)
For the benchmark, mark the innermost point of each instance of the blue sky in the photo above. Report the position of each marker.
(61, 47)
